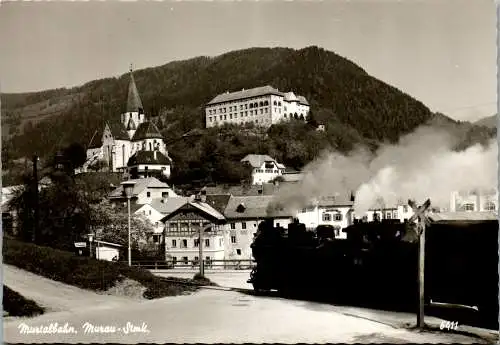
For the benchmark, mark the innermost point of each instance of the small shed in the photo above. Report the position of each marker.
(107, 251)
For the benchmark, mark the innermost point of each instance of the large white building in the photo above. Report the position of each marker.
(264, 168)
(262, 106)
(475, 201)
(130, 143)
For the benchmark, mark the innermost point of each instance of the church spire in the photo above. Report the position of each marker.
(134, 103)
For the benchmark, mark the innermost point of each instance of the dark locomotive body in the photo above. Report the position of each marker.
(377, 264)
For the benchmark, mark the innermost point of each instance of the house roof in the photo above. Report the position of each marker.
(202, 206)
(170, 205)
(255, 92)
(108, 243)
(147, 130)
(462, 217)
(148, 157)
(303, 100)
(256, 161)
(117, 130)
(252, 207)
(218, 202)
(334, 201)
(140, 185)
(238, 190)
(134, 103)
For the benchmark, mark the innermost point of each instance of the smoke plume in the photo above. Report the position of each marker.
(421, 165)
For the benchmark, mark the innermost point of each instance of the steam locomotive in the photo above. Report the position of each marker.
(377, 265)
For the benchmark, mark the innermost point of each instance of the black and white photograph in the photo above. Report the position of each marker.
(249, 171)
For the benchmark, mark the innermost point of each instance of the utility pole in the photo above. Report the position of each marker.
(35, 199)
(421, 216)
(200, 251)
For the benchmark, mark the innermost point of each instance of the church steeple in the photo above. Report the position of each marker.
(134, 103)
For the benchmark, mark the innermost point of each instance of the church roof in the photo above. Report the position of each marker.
(134, 103)
(147, 130)
(96, 141)
(118, 131)
(148, 157)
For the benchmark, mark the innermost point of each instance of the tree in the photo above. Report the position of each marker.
(74, 155)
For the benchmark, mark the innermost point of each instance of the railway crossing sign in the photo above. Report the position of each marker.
(420, 214)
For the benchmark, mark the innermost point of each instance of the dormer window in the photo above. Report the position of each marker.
(241, 208)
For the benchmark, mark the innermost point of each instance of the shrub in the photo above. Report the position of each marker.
(17, 305)
(85, 272)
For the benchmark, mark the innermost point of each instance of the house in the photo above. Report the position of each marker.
(156, 211)
(400, 211)
(130, 143)
(264, 168)
(144, 192)
(182, 229)
(243, 215)
(474, 201)
(328, 210)
(107, 251)
(262, 106)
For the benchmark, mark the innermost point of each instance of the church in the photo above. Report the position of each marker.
(131, 143)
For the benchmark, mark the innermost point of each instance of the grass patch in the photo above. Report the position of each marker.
(88, 273)
(17, 305)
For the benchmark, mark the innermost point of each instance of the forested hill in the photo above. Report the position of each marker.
(354, 106)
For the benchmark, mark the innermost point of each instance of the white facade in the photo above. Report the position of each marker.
(184, 249)
(476, 201)
(264, 168)
(400, 212)
(239, 235)
(339, 217)
(262, 106)
(154, 216)
(106, 251)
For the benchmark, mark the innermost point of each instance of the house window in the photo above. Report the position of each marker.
(405, 209)
(196, 242)
(149, 212)
(327, 217)
(174, 243)
(220, 242)
(338, 217)
(277, 225)
(233, 239)
(395, 215)
(243, 225)
(195, 261)
(174, 260)
(156, 238)
(233, 226)
(207, 242)
(388, 215)
(208, 261)
(490, 206)
(238, 251)
(468, 207)
(156, 224)
(184, 243)
(164, 194)
(185, 260)
(148, 194)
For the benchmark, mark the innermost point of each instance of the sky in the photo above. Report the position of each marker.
(441, 52)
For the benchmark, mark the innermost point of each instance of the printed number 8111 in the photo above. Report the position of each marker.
(450, 326)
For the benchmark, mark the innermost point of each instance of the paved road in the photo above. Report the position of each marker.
(208, 316)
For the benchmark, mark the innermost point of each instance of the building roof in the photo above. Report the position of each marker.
(303, 100)
(148, 157)
(218, 202)
(462, 217)
(147, 130)
(255, 92)
(256, 161)
(108, 243)
(238, 190)
(202, 206)
(96, 140)
(252, 207)
(117, 130)
(140, 185)
(170, 204)
(334, 201)
(134, 103)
